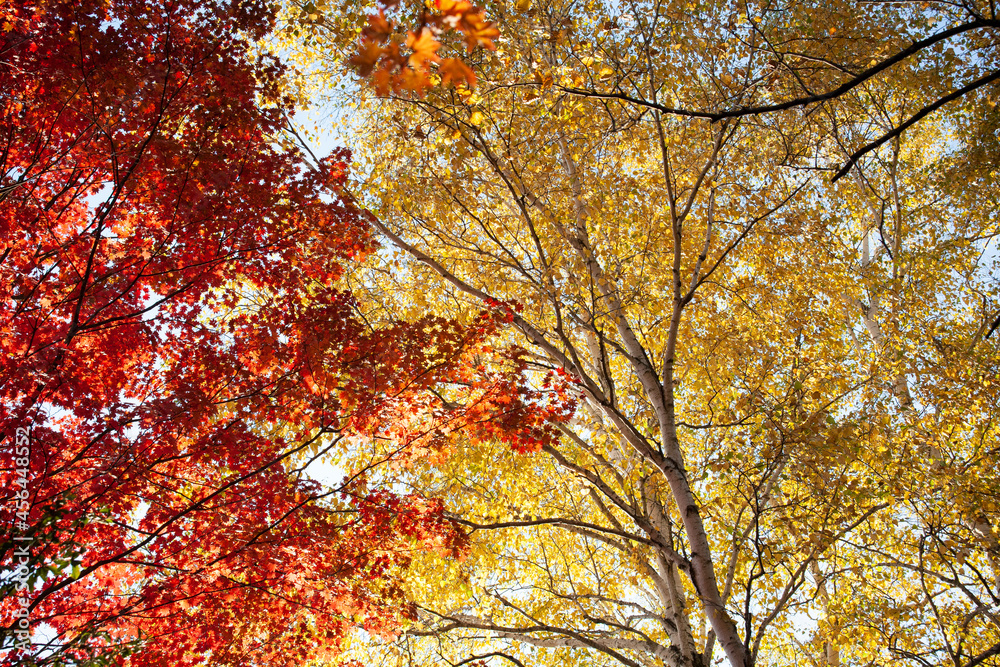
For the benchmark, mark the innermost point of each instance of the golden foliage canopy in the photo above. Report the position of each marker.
(786, 446)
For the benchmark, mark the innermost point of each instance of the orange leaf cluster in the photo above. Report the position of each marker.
(400, 65)
(172, 332)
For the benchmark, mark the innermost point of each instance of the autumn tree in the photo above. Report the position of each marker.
(785, 450)
(178, 346)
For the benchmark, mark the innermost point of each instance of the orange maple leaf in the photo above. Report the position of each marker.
(453, 6)
(478, 31)
(457, 72)
(383, 80)
(365, 58)
(378, 28)
(424, 48)
(415, 81)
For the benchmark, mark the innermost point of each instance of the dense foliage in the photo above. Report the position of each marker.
(176, 343)
(760, 238)
(680, 346)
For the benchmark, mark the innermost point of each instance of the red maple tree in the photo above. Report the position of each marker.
(172, 333)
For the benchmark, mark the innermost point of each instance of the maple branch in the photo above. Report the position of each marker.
(267, 527)
(175, 518)
(106, 209)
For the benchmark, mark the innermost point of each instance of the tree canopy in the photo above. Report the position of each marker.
(643, 333)
(177, 350)
(757, 239)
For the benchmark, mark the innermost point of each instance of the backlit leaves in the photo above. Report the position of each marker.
(409, 68)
